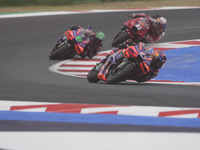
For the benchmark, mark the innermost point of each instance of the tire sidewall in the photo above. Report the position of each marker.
(122, 74)
(92, 75)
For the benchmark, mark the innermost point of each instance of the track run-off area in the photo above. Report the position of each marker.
(59, 109)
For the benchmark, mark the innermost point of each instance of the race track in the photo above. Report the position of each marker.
(26, 42)
(127, 116)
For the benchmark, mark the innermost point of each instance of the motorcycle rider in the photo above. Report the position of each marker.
(155, 25)
(156, 59)
(94, 46)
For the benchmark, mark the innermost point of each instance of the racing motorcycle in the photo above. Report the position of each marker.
(73, 43)
(135, 29)
(135, 58)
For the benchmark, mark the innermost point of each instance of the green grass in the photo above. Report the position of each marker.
(103, 5)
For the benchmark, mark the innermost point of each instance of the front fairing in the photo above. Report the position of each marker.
(130, 24)
(78, 39)
(137, 28)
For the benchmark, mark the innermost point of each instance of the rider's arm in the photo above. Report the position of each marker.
(89, 33)
(160, 36)
(154, 39)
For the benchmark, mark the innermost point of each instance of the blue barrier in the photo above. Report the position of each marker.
(99, 119)
(182, 64)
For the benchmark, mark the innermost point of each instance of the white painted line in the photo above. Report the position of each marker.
(150, 111)
(74, 68)
(170, 45)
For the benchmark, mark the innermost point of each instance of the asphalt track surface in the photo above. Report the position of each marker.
(25, 44)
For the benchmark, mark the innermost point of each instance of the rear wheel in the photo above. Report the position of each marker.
(62, 52)
(120, 39)
(120, 73)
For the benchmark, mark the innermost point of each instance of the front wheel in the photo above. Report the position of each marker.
(120, 73)
(120, 39)
(92, 75)
(62, 52)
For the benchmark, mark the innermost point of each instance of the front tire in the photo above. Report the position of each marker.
(120, 73)
(120, 39)
(62, 52)
(92, 75)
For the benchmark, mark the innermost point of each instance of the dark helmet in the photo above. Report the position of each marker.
(100, 37)
(160, 24)
(159, 58)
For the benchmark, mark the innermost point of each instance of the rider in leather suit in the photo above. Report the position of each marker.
(155, 25)
(93, 47)
(156, 59)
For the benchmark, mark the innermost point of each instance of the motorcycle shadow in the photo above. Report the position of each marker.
(128, 83)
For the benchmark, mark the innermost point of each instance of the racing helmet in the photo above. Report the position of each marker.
(160, 24)
(100, 37)
(159, 58)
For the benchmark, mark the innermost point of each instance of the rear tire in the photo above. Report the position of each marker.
(120, 73)
(62, 52)
(120, 39)
(92, 75)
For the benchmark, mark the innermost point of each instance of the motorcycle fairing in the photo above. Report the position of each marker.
(139, 26)
(80, 41)
(110, 62)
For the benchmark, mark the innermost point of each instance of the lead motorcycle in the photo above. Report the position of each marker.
(135, 58)
(135, 29)
(73, 42)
